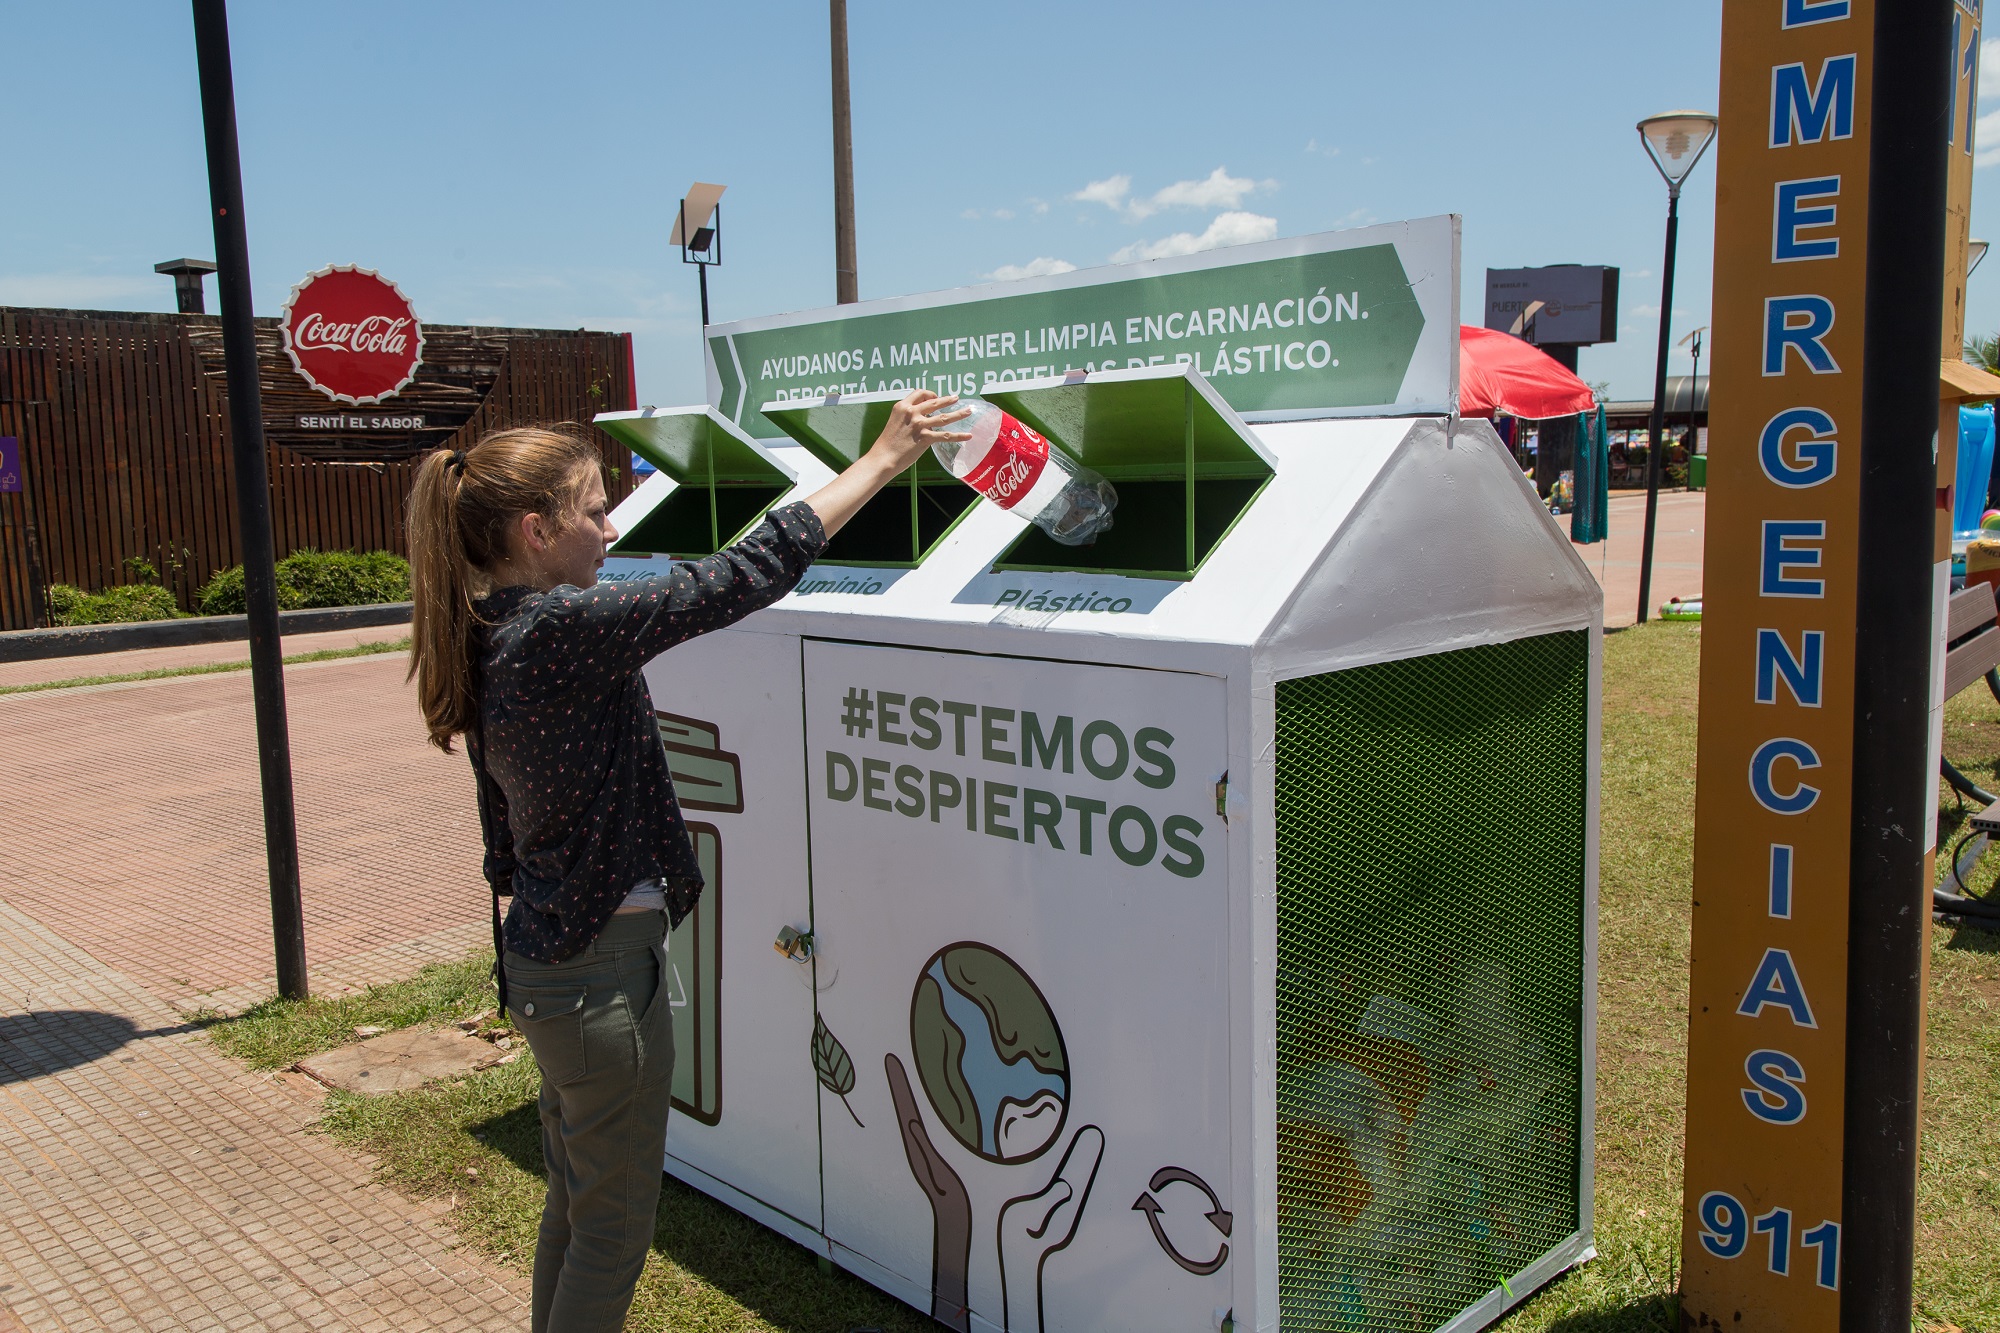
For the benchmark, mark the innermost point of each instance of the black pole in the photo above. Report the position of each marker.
(703, 269)
(253, 491)
(846, 282)
(1659, 421)
(1694, 396)
(1888, 898)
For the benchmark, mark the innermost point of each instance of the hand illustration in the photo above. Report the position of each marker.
(951, 1206)
(1034, 1226)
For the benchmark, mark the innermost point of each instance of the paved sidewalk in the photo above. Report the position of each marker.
(135, 828)
(148, 1182)
(1677, 538)
(185, 655)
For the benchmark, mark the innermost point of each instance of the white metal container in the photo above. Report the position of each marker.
(1181, 952)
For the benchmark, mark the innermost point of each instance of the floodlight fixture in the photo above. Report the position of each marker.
(698, 223)
(698, 233)
(1675, 140)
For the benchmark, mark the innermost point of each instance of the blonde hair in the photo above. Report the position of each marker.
(460, 510)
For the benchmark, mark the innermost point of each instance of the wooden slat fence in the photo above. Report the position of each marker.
(123, 424)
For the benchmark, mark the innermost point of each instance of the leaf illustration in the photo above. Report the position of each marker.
(831, 1063)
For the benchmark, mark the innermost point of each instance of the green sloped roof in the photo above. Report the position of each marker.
(694, 445)
(1134, 423)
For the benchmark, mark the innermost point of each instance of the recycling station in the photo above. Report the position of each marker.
(1192, 930)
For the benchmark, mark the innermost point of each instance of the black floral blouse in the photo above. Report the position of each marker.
(575, 801)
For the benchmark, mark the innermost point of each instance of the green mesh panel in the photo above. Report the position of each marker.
(1430, 818)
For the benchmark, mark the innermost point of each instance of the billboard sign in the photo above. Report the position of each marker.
(1351, 323)
(1579, 302)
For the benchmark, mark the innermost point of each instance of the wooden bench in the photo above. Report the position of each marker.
(1972, 653)
(1974, 636)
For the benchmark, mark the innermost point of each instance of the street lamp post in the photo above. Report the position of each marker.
(698, 233)
(1692, 341)
(1675, 141)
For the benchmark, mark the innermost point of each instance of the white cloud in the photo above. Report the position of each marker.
(1232, 228)
(970, 215)
(1042, 266)
(1218, 189)
(1322, 149)
(1110, 192)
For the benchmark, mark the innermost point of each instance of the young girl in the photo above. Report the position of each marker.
(515, 647)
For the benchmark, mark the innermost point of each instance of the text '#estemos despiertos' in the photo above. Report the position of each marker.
(1063, 816)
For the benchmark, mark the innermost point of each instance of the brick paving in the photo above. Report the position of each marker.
(192, 654)
(135, 827)
(146, 1181)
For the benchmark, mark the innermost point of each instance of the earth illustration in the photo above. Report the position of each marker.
(989, 1054)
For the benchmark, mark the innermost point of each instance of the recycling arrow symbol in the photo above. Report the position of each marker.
(1218, 1217)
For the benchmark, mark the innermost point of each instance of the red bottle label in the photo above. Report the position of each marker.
(1012, 465)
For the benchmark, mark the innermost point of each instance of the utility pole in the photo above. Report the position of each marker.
(1895, 772)
(846, 282)
(253, 491)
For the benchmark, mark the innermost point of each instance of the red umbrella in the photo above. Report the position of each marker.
(1498, 372)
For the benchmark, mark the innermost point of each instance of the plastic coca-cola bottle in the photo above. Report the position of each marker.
(1016, 467)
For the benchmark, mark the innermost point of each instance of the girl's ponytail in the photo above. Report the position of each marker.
(459, 511)
(441, 614)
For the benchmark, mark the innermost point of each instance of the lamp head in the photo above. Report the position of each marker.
(696, 222)
(1975, 251)
(1675, 140)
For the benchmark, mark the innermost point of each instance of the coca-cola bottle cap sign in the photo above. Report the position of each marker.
(352, 334)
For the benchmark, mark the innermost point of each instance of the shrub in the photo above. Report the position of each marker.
(223, 594)
(113, 606)
(308, 578)
(62, 600)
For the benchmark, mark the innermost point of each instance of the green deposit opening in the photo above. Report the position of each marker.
(910, 517)
(725, 481)
(1185, 465)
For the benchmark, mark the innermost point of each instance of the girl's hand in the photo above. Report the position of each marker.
(916, 422)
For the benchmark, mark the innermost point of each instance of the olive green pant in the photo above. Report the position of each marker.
(601, 1029)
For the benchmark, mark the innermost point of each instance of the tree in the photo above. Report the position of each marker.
(1984, 352)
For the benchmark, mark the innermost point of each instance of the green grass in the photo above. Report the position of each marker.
(278, 1033)
(713, 1269)
(209, 668)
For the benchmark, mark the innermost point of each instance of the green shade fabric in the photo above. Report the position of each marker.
(1590, 516)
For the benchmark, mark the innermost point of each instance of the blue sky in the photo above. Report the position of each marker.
(516, 163)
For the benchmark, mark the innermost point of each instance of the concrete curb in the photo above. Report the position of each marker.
(27, 645)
